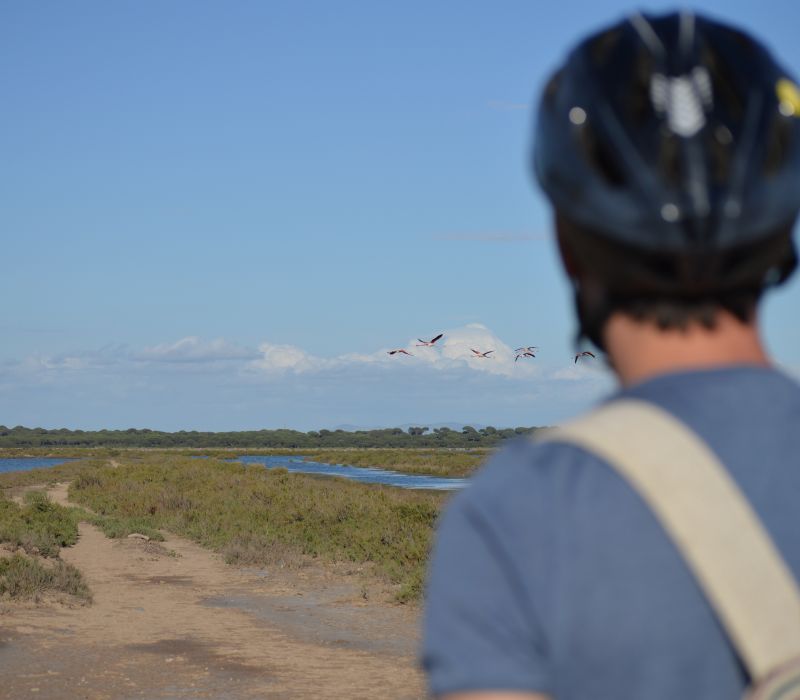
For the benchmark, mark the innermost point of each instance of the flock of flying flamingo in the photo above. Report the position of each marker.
(523, 352)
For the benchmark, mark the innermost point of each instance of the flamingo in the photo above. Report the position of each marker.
(529, 348)
(585, 353)
(428, 343)
(524, 354)
(482, 354)
(401, 351)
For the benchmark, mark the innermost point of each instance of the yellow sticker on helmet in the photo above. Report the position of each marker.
(788, 97)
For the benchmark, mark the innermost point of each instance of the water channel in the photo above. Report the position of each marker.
(25, 464)
(367, 475)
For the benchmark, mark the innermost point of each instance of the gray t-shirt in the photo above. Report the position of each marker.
(550, 574)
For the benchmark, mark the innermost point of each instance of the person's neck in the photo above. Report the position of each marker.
(640, 350)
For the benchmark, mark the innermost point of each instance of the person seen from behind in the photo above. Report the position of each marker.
(669, 148)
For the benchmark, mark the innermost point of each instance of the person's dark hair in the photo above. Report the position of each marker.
(670, 289)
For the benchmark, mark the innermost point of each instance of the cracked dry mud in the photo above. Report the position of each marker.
(186, 625)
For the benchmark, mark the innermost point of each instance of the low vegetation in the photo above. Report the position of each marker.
(26, 577)
(39, 526)
(251, 515)
(435, 463)
(36, 531)
(258, 516)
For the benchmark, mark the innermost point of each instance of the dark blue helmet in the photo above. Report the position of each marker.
(671, 134)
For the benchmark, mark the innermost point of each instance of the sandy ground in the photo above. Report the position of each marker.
(172, 620)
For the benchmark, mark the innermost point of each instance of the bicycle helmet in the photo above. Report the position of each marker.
(676, 138)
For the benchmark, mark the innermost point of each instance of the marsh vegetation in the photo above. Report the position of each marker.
(32, 535)
(430, 462)
(251, 515)
(256, 516)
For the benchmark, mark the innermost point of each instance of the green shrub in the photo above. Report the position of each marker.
(21, 577)
(39, 526)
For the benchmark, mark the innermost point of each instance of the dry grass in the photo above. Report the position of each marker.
(23, 577)
(259, 516)
(447, 463)
(255, 550)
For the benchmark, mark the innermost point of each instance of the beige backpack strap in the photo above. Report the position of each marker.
(708, 518)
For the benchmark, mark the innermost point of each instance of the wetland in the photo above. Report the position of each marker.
(139, 556)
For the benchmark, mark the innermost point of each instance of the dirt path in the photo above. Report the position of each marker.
(173, 621)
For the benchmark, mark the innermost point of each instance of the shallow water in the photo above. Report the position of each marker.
(368, 475)
(25, 464)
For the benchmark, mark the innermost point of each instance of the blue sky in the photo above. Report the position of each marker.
(220, 215)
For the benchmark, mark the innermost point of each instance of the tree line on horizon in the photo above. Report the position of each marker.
(415, 436)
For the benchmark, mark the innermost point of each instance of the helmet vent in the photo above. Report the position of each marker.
(683, 100)
(720, 150)
(599, 157)
(603, 46)
(669, 159)
(723, 79)
(778, 144)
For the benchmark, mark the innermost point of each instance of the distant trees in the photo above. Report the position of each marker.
(415, 436)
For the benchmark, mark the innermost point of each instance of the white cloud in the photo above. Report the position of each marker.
(276, 359)
(287, 358)
(67, 362)
(58, 363)
(452, 352)
(194, 349)
(361, 358)
(452, 356)
(195, 383)
(582, 370)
